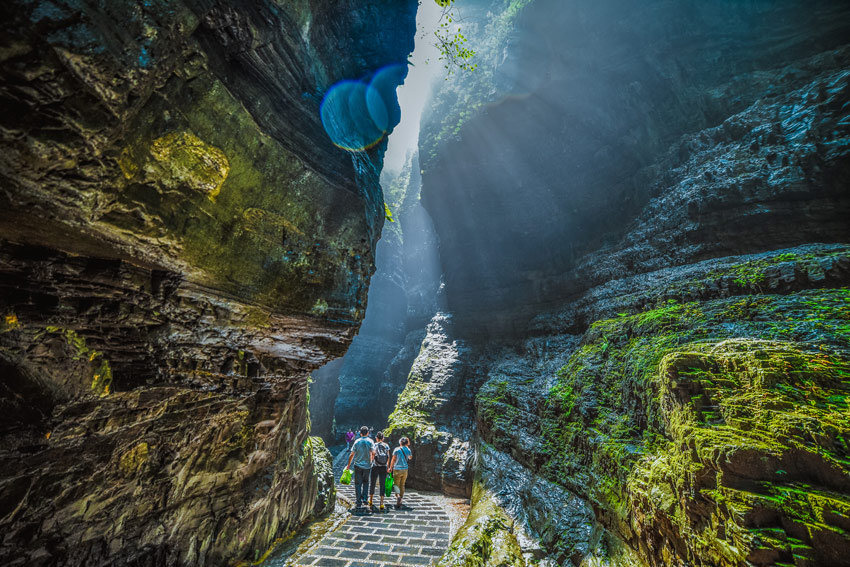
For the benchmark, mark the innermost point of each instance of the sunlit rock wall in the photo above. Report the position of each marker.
(435, 410)
(642, 213)
(180, 245)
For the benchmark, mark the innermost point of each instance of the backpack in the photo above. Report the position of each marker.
(382, 454)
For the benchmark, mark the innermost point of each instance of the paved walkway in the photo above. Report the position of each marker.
(418, 535)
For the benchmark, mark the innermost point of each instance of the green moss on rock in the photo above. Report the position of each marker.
(187, 160)
(715, 432)
(486, 539)
(410, 416)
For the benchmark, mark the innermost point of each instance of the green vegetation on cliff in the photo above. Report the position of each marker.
(724, 425)
(410, 418)
(461, 98)
(486, 539)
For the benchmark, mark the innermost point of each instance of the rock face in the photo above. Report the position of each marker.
(324, 389)
(180, 246)
(434, 411)
(576, 123)
(642, 214)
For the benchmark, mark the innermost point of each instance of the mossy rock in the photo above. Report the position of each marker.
(714, 432)
(486, 539)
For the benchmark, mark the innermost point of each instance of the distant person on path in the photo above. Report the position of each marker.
(380, 460)
(371, 433)
(349, 438)
(399, 466)
(361, 455)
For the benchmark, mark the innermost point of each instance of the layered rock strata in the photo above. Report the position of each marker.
(648, 212)
(575, 124)
(181, 246)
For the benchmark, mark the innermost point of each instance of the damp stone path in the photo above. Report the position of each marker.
(418, 535)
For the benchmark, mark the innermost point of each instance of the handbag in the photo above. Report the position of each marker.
(388, 485)
(346, 477)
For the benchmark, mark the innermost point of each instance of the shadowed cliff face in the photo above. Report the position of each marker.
(574, 128)
(180, 245)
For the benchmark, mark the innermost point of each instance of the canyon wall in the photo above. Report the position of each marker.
(180, 246)
(642, 214)
(574, 125)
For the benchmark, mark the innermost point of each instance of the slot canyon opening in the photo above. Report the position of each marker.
(591, 258)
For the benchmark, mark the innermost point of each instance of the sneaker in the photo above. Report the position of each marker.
(370, 503)
(382, 507)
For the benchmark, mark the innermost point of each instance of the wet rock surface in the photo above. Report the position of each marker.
(650, 273)
(180, 246)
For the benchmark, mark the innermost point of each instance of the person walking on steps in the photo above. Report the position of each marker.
(399, 466)
(361, 455)
(349, 439)
(380, 460)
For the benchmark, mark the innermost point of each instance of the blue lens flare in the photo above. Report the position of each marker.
(381, 96)
(357, 114)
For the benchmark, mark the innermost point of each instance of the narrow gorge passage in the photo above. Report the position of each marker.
(591, 257)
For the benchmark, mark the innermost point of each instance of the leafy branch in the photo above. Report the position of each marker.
(450, 41)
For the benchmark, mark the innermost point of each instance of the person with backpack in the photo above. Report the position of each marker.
(361, 455)
(380, 460)
(399, 466)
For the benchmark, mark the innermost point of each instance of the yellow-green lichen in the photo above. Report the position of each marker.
(269, 226)
(101, 371)
(411, 416)
(127, 164)
(487, 537)
(320, 307)
(134, 459)
(10, 323)
(186, 159)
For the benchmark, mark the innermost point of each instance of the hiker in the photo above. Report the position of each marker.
(361, 455)
(380, 460)
(372, 433)
(399, 467)
(349, 438)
